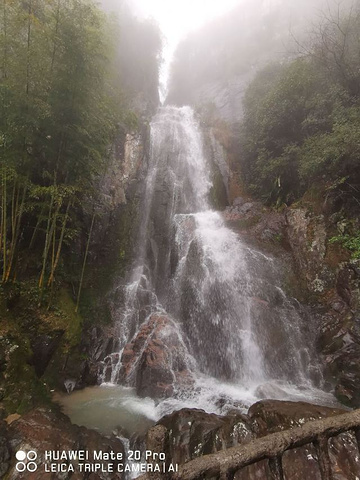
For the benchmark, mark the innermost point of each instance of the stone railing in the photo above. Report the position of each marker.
(224, 464)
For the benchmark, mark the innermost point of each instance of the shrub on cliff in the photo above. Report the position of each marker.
(302, 119)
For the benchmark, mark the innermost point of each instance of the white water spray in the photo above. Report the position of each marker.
(238, 334)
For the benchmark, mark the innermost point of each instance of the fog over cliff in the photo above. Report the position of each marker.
(227, 52)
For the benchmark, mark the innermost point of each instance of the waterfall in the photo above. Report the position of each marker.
(213, 307)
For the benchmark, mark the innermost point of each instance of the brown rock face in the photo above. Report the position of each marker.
(258, 471)
(255, 219)
(191, 433)
(307, 237)
(41, 430)
(155, 361)
(334, 280)
(270, 416)
(4, 449)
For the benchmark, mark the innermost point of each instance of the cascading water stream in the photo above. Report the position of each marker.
(228, 322)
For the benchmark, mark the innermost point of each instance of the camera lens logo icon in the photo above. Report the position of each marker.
(26, 461)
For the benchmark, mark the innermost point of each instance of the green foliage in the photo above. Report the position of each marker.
(66, 90)
(351, 242)
(302, 124)
(22, 320)
(336, 152)
(65, 80)
(56, 122)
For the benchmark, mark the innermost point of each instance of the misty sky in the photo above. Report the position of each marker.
(178, 17)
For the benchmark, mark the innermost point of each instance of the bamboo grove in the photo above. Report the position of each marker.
(59, 105)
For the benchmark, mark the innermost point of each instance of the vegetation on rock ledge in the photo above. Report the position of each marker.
(302, 119)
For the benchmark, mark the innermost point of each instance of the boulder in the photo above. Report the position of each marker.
(44, 347)
(190, 433)
(243, 211)
(238, 202)
(258, 225)
(42, 430)
(270, 416)
(155, 361)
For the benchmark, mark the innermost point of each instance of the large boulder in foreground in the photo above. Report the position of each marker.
(42, 430)
(190, 433)
(270, 416)
(156, 361)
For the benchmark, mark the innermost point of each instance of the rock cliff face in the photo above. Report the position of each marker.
(127, 155)
(113, 243)
(332, 281)
(308, 240)
(328, 281)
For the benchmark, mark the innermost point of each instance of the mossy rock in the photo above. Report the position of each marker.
(22, 389)
(113, 257)
(218, 195)
(246, 223)
(23, 327)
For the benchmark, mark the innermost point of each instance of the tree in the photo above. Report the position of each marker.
(336, 47)
(301, 121)
(56, 121)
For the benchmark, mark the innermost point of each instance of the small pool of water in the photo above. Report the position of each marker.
(109, 408)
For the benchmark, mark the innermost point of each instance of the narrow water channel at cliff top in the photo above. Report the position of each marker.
(202, 319)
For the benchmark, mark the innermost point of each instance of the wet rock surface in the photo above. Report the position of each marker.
(154, 362)
(257, 223)
(333, 283)
(182, 436)
(326, 279)
(307, 238)
(270, 416)
(44, 347)
(190, 433)
(41, 430)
